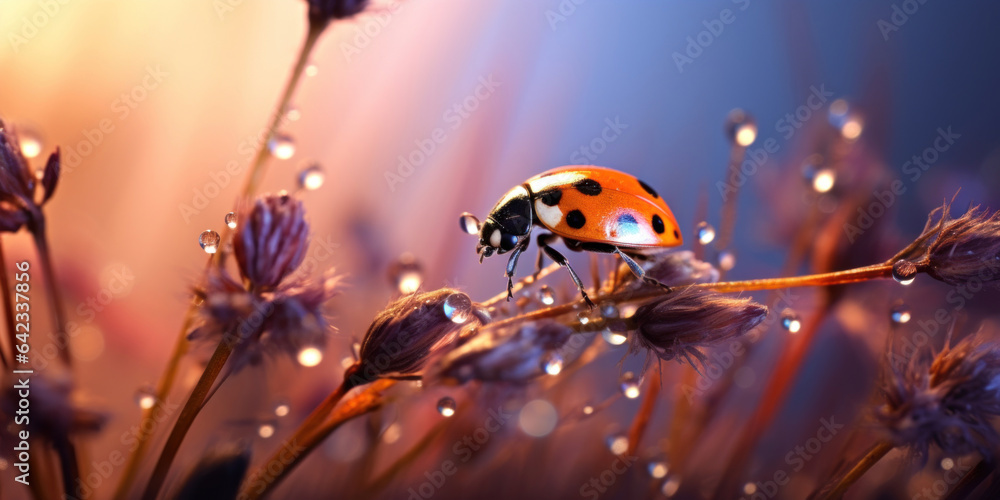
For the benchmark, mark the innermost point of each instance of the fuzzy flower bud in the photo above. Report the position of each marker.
(966, 248)
(502, 355)
(18, 184)
(686, 320)
(407, 331)
(322, 12)
(271, 240)
(673, 269)
(950, 399)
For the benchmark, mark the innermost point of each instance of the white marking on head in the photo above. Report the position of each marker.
(550, 216)
(495, 238)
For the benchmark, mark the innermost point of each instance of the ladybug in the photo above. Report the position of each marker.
(594, 209)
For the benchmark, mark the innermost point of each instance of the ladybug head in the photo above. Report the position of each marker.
(507, 226)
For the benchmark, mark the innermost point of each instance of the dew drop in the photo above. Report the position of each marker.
(848, 122)
(823, 180)
(282, 409)
(546, 295)
(617, 443)
(310, 356)
(790, 321)
(706, 233)
(265, 430)
(552, 363)
(741, 128)
(406, 274)
(670, 486)
(900, 314)
(613, 338)
(583, 317)
(231, 220)
(312, 70)
(904, 272)
(458, 307)
(947, 463)
(610, 311)
(145, 397)
(538, 418)
(209, 241)
(749, 488)
(293, 114)
(727, 260)
(588, 410)
(311, 178)
(446, 406)
(629, 385)
(31, 143)
(657, 470)
(281, 146)
(469, 223)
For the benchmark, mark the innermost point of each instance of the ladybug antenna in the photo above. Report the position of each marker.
(469, 223)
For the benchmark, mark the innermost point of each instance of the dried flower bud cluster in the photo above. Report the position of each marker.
(322, 12)
(958, 251)
(503, 355)
(18, 185)
(686, 320)
(951, 399)
(404, 334)
(271, 240)
(674, 269)
(53, 412)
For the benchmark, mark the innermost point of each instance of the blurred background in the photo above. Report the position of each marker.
(152, 102)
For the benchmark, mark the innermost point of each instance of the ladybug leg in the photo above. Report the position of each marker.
(561, 260)
(511, 266)
(542, 240)
(638, 271)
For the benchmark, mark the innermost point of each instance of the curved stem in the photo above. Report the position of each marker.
(876, 271)
(874, 454)
(8, 309)
(52, 287)
(320, 424)
(258, 167)
(645, 412)
(191, 409)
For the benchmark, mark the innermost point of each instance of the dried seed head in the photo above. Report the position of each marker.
(281, 322)
(322, 12)
(673, 269)
(18, 184)
(271, 240)
(502, 355)
(950, 399)
(407, 331)
(966, 248)
(54, 414)
(218, 474)
(688, 319)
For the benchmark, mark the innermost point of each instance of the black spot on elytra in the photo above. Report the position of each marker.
(649, 189)
(589, 187)
(551, 197)
(677, 234)
(575, 219)
(658, 224)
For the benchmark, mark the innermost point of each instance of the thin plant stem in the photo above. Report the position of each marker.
(641, 421)
(876, 271)
(728, 216)
(971, 480)
(188, 413)
(8, 308)
(163, 388)
(308, 436)
(382, 480)
(52, 287)
(258, 167)
(874, 454)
